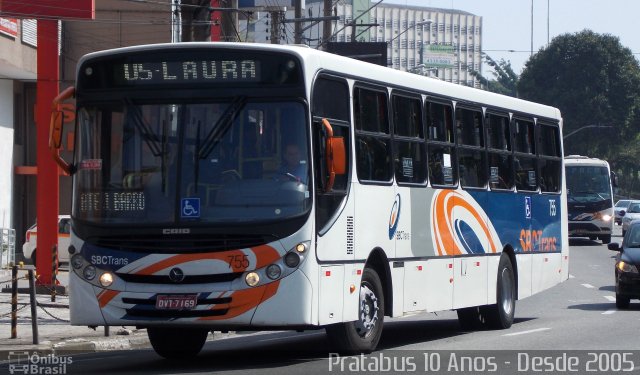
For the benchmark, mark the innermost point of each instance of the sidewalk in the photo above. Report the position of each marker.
(55, 333)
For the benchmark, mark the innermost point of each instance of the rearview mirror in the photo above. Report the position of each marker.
(56, 128)
(614, 246)
(335, 155)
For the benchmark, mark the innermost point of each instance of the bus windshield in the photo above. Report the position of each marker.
(217, 162)
(588, 184)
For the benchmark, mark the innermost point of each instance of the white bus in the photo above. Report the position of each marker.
(222, 186)
(589, 197)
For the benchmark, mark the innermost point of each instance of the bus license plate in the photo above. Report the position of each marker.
(176, 302)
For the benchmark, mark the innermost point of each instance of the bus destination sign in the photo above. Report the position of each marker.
(191, 71)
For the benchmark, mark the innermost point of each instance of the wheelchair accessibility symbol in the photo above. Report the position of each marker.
(190, 207)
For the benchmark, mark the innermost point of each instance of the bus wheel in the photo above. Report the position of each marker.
(470, 318)
(177, 342)
(622, 302)
(500, 315)
(606, 239)
(363, 335)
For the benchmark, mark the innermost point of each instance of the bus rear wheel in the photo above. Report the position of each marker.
(177, 342)
(500, 315)
(363, 335)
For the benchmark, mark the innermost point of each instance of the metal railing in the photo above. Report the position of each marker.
(7, 247)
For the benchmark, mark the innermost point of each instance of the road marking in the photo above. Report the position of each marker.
(588, 286)
(610, 311)
(525, 332)
(610, 298)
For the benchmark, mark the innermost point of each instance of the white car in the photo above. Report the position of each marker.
(64, 229)
(630, 214)
(620, 206)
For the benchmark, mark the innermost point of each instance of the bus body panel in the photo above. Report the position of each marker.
(524, 264)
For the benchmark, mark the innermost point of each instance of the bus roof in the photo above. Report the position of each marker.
(316, 61)
(584, 160)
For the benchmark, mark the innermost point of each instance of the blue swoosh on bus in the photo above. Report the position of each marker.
(394, 217)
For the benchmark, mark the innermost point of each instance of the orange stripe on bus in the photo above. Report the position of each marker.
(106, 296)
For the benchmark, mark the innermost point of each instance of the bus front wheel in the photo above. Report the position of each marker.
(500, 315)
(606, 239)
(177, 342)
(363, 335)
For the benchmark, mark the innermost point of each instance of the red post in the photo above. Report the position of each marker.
(216, 20)
(47, 188)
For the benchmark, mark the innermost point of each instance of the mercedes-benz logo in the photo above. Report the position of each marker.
(176, 275)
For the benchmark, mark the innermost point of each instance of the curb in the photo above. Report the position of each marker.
(91, 346)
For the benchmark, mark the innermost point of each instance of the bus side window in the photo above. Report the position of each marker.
(409, 141)
(549, 158)
(525, 163)
(499, 151)
(373, 139)
(440, 144)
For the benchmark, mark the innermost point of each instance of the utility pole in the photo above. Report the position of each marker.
(297, 31)
(326, 29)
(196, 20)
(276, 25)
(229, 21)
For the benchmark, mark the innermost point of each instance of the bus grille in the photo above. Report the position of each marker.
(188, 279)
(187, 244)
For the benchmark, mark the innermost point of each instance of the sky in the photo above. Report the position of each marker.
(507, 23)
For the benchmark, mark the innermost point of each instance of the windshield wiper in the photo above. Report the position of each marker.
(147, 134)
(221, 127)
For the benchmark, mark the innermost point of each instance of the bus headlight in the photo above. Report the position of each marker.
(106, 279)
(252, 279)
(292, 259)
(89, 273)
(76, 261)
(274, 271)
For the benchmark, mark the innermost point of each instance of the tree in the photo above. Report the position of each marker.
(506, 79)
(593, 80)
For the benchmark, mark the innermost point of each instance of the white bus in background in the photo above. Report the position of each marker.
(411, 194)
(589, 197)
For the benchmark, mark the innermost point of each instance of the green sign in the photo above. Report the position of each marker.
(439, 56)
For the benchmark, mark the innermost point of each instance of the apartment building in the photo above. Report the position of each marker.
(445, 43)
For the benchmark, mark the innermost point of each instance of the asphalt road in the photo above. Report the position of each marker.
(577, 315)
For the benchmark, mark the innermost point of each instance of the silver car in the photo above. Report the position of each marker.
(631, 213)
(620, 206)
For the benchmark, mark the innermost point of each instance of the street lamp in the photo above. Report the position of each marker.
(586, 127)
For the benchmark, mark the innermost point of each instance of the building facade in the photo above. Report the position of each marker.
(445, 43)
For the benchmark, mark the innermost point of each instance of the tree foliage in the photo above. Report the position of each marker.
(593, 80)
(505, 81)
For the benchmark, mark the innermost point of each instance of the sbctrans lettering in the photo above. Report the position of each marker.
(108, 260)
(533, 240)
